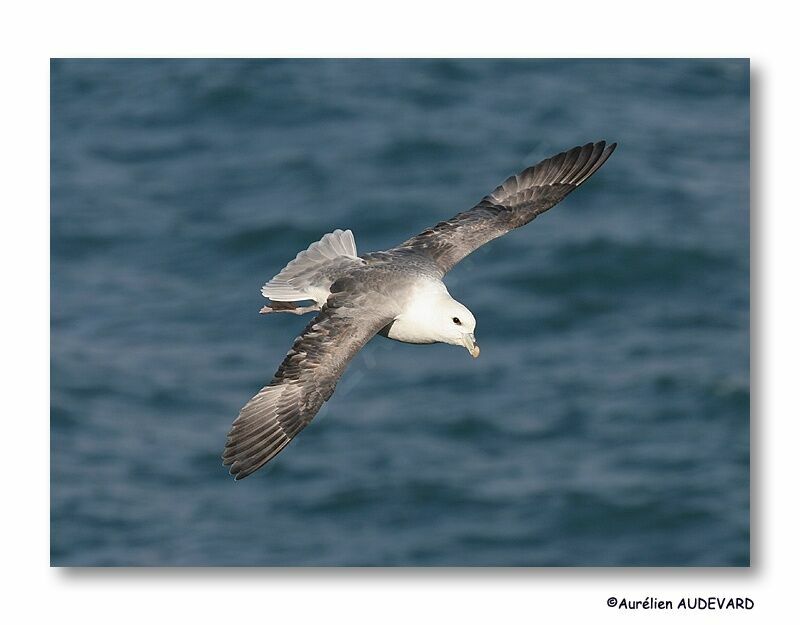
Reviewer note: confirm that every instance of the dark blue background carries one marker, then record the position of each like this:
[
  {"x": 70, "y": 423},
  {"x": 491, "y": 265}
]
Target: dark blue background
[{"x": 606, "y": 421}]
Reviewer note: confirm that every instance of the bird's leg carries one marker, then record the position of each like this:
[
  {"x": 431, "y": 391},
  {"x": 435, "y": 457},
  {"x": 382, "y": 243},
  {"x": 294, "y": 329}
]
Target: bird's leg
[
  {"x": 304, "y": 309},
  {"x": 289, "y": 307}
]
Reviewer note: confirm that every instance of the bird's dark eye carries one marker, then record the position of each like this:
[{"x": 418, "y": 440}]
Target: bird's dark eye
[{"x": 457, "y": 321}]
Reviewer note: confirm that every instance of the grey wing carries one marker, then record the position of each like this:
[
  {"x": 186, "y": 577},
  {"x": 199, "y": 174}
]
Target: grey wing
[
  {"x": 305, "y": 380},
  {"x": 513, "y": 204}
]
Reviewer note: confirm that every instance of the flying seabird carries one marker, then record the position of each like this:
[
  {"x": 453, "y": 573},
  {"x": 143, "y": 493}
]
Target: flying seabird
[{"x": 397, "y": 293}]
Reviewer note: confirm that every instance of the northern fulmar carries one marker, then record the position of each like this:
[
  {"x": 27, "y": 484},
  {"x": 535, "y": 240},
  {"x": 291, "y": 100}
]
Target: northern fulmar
[{"x": 397, "y": 293}]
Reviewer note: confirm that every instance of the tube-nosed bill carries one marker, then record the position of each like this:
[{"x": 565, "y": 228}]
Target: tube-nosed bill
[{"x": 471, "y": 345}]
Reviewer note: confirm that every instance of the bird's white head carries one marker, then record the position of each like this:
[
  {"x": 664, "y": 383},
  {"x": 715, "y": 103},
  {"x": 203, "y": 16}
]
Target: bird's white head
[{"x": 457, "y": 325}]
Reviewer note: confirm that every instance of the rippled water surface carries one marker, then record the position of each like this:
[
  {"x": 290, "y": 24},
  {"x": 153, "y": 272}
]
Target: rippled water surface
[{"x": 607, "y": 419}]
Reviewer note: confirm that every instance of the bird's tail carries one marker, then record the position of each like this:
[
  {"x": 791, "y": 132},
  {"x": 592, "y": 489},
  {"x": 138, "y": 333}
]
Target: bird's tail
[{"x": 310, "y": 275}]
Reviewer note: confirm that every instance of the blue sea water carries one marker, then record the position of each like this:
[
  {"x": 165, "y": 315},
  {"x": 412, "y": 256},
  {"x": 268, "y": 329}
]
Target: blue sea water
[{"x": 607, "y": 419}]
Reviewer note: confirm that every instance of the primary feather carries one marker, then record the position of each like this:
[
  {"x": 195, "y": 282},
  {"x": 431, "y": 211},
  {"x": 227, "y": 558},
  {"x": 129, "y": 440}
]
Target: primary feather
[{"x": 516, "y": 202}]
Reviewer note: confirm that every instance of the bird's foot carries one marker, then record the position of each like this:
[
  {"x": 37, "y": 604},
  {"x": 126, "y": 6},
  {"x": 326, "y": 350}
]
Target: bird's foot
[{"x": 289, "y": 307}]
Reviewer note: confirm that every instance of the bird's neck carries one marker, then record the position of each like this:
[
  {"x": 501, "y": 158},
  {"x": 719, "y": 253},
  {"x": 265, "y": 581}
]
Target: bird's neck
[{"x": 419, "y": 322}]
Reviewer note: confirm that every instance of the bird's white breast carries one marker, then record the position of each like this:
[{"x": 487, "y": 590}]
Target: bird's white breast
[{"x": 418, "y": 321}]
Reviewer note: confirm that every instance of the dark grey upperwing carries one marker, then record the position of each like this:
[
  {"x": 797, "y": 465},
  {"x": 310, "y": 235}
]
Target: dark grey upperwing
[
  {"x": 305, "y": 380},
  {"x": 513, "y": 204}
]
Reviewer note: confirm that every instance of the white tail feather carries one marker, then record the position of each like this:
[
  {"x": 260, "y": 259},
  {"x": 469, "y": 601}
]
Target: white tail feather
[{"x": 306, "y": 278}]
